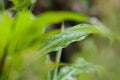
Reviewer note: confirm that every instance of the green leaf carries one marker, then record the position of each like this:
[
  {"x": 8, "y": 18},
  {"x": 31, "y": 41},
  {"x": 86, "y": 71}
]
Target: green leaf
[
  {"x": 63, "y": 39},
  {"x": 73, "y": 71},
  {"x": 49, "y": 18},
  {"x": 19, "y": 4},
  {"x": 5, "y": 29},
  {"x": 23, "y": 31}
]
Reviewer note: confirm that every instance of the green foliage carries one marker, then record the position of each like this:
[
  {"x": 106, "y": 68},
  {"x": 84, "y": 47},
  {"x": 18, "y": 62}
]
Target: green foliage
[
  {"x": 58, "y": 16},
  {"x": 24, "y": 33},
  {"x": 72, "y": 72},
  {"x": 21, "y": 4},
  {"x": 26, "y": 28},
  {"x": 63, "y": 39},
  {"x": 24, "y": 38}
]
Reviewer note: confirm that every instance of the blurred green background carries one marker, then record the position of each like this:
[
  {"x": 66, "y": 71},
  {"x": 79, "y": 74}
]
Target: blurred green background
[{"x": 95, "y": 49}]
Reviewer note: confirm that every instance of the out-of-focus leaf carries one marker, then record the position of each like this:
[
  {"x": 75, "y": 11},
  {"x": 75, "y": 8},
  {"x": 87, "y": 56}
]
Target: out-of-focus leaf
[
  {"x": 73, "y": 71},
  {"x": 4, "y": 32},
  {"x": 19, "y": 4},
  {"x": 23, "y": 31},
  {"x": 49, "y": 18},
  {"x": 5, "y": 29}
]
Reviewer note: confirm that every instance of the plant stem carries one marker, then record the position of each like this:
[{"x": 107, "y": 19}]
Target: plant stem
[
  {"x": 49, "y": 75},
  {"x": 58, "y": 56},
  {"x": 57, "y": 62}
]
